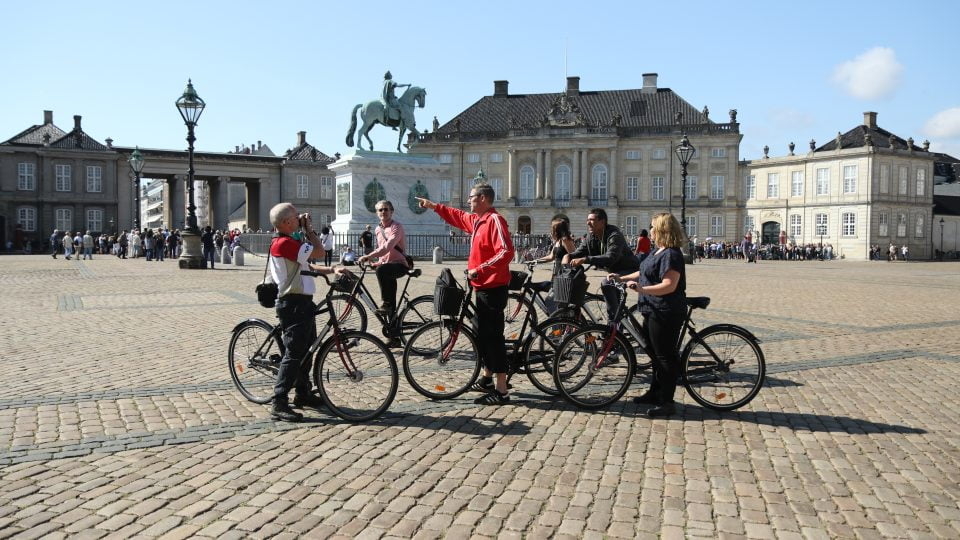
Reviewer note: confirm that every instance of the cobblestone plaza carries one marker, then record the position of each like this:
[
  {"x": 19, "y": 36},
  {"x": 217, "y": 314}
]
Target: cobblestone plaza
[{"x": 118, "y": 418}]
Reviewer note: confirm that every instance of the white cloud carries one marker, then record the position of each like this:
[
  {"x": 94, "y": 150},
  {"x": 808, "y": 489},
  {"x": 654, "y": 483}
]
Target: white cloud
[
  {"x": 950, "y": 148},
  {"x": 945, "y": 124},
  {"x": 874, "y": 74}
]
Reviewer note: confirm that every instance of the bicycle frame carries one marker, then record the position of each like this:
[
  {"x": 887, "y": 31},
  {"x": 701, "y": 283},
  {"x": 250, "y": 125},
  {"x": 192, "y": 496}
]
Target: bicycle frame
[{"x": 361, "y": 291}]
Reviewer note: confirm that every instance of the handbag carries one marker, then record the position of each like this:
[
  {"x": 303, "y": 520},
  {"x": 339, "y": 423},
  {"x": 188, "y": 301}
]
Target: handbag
[
  {"x": 407, "y": 257},
  {"x": 268, "y": 291}
]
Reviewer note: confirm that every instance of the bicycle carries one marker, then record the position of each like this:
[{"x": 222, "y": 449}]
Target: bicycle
[
  {"x": 354, "y": 371},
  {"x": 723, "y": 366}
]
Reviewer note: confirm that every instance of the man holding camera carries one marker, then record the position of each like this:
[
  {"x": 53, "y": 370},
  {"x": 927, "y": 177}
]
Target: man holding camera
[{"x": 295, "y": 307}]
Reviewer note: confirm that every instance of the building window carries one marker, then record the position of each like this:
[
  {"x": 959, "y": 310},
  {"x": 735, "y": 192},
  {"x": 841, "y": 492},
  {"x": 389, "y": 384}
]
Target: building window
[
  {"x": 63, "y": 178},
  {"x": 633, "y": 154},
  {"x": 63, "y": 219},
  {"x": 884, "y": 179},
  {"x": 327, "y": 219},
  {"x": 26, "y": 177},
  {"x": 526, "y": 183},
  {"x": 473, "y": 157},
  {"x": 901, "y": 224},
  {"x": 446, "y": 186},
  {"x": 716, "y": 225},
  {"x": 562, "y": 183},
  {"x": 921, "y": 182},
  {"x": 821, "y": 224},
  {"x": 497, "y": 185},
  {"x": 751, "y": 187},
  {"x": 796, "y": 226},
  {"x": 691, "y": 192},
  {"x": 823, "y": 181},
  {"x": 796, "y": 184},
  {"x": 496, "y": 157},
  {"x": 598, "y": 182},
  {"x": 94, "y": 220},
  {"x": 850, "y": 179},
  {"x": 326, "y": 187},
  {"x": 773, "y": 185},
  {"x": 659, "y": 153},
  {"x": 718, "y": 152},
  {"x": 918, "y": 231},
  {"x": 27, "y": 218},
  {"x": 883, "y": 224},
  {"x": 303, "y": 186},
  {"x": 903, "y": 181},
  {"x": 445, "y": 158},
  {"x": 849, "y": 224},
  {"x": 691, "y": 226},
  {"x": 656, "y": 188},
  {"x": 716, "y": 187},
  {"x": 633, "y": 188},
  {"x": 748, "y": 224},
  {"x": 630, "y": 226},
  {"x": 94, "y": 180}
]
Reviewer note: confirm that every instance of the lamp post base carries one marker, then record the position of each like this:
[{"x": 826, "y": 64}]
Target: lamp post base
[
  {"x": 687, "y": 255},
  {"x": 192, "y": 256}
]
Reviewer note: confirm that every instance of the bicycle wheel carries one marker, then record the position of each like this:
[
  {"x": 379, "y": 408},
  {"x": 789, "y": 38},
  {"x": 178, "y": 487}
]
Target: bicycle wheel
[
  {"x": 513, "y": 316},
  {"x": 254, "y": 359},
  {"x": 440, "y": 360},
  {"x": 540, "y": 348},
  {"x": 723, "y": 367},
  {"x": 593, "y": 369},
  {"x": 594, "y": 309},
  {"x": 417, "y": 313},
  {"x": 354, "y": 318},
  {"x": 357, "y": 376}
]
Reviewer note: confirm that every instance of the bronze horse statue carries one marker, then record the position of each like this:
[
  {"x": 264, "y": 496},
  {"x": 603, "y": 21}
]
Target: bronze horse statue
[{"x": 372, "y": 114}]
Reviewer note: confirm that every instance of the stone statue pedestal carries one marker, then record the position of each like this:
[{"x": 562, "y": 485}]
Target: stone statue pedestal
[{"x": 365, "y": 177}]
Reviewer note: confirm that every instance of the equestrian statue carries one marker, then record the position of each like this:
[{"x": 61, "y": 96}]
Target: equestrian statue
[{"x": 389, "y": 110}]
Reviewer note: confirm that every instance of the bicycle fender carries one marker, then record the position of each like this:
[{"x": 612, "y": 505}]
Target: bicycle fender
[
  {"x": 735, "y": 328},
  {"x": 253, "y": 320}
]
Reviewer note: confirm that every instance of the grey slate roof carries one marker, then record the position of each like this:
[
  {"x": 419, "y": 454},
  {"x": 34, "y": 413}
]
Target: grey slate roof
[
  {"x": 307, "y": 152},
  {"x": 946, "y": 166},
  {"x": 856, "y": 138},
  {"x": 499, "y": 113},
  {"x": 33, "y": 135},
  {"x": 78, "y": 140}
]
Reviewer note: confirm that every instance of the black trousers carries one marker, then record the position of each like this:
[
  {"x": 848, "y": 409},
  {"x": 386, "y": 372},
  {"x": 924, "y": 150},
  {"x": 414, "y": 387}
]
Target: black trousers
[
  {"x": 490, "y": 342},
  {"x": 296, "y": 313},
  {"x": 387, "y": 275},
  {"x": 662, "y": 331}
]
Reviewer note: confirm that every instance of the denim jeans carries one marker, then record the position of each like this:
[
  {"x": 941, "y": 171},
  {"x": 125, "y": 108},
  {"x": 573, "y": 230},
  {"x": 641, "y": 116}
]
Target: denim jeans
[
  {"x": 296, "y": 313},
  {"x": 88, "y": 253},
  {"x": 207, "y": 256}
]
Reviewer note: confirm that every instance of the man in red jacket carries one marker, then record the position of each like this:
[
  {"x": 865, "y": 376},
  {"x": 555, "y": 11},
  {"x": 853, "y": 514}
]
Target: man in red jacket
[{"x": 488, "y": 267}]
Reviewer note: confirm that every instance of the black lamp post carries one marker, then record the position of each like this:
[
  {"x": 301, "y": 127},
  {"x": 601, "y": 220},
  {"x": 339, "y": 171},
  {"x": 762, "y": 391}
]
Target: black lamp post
[
  {"x": 684, "y": 152},
  {"x": 136, "y": 163},
  {"x": 941, "y": 239},
  {"x": 191, "y": 107},
  {"x": 111, "y": 222}
]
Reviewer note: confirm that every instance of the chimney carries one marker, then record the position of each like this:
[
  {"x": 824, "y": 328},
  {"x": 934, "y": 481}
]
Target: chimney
[
  {"x": 236, "y": 149},
  {"x": 76, "y": 122},
  {"x": 573, "y": 86},
  {"x": 301, "y": 137},
  {"x": 500, "y": 88},
  {"x": 259, "y": 145},
  {"x": 649, "y": 83},
  {"x": 870, "y": 119},
  {"x": 47, "y": 117}
]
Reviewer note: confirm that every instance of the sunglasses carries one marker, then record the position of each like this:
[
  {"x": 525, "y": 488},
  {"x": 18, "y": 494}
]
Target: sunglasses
[{"x": 384, "y": 210}]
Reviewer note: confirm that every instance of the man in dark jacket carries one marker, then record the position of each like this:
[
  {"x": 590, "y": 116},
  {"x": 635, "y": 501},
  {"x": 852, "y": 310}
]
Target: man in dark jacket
[{"x": 606, "y": 248}]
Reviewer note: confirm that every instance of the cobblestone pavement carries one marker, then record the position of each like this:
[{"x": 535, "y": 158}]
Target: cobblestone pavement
[{"x": 118, "y": 417}]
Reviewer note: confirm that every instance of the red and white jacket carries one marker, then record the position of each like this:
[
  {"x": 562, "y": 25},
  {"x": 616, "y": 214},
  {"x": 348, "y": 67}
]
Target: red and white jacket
[{"x": 491, "y": 249}]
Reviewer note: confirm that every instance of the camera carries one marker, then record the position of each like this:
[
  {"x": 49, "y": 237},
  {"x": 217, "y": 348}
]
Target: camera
[{"x": 303, "y": 221}]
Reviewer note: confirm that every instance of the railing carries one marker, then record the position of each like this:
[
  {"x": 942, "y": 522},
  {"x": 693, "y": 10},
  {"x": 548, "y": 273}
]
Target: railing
[
  {"x": 561, "y": 203},
  {"x": 599, "y": 202},
  {"x": 524, "y": 202}
]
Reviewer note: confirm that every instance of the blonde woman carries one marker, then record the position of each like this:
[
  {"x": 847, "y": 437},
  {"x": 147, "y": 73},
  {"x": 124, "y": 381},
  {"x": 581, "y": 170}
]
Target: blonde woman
[{"x": 661, "y": 283}]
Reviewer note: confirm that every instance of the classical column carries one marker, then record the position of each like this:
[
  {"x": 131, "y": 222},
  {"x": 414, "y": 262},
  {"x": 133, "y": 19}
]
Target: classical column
[
  {"x": 539, "y": 193},
  {"x": 511, "y": 174},
  {"x": 575, "y": 175},
  {"x": 584, "y": 180},
  {"x": 251, "y": 218},
  {"x": 547, "y": 174},
  {"x": 612, "y": 180},
  {"x": 178, "y": 203},
  {"x": 220, "y": 202}
]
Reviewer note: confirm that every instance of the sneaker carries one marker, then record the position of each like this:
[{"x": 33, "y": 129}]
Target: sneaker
[
  {"x": 667, "y": 409},
  {"x": 308, "y": 400},
  {"x": 394, "y": 343},
  {"x": 483, "y": 384},
  {"x": 493, "y": 398},
  {"x": 646, "y": 399},
  {"x": 282, "y": 411}
]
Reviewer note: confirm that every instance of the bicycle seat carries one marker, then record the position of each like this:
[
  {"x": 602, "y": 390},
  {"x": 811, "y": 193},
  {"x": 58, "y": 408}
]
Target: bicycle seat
[
  {"x": 415, "y": 272},
  {"x": 700, "y": 302},
  {"x": 539, "y": 286}
]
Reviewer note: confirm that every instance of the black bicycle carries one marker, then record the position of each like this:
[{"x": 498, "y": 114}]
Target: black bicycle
[
  {"x": 354, "y": 371},
  {"x": 723, "y": 367}
]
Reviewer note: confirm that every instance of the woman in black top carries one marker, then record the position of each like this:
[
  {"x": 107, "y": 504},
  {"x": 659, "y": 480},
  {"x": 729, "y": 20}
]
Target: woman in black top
[
  {"x": 562, "y": 245},
  {"x": 661, "y": 282}
]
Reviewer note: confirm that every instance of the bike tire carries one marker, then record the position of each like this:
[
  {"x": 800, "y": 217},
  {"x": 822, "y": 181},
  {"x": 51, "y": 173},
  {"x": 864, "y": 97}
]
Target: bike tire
[
  {"x": 417, "y": 313},
  {"x": 357, "y": 380},
  {"x": 354, "y": 319},
  {"x": 707, "y": 374},
  {"x": 514, "y": 316},
  {"x": 425, "y": 367},
  {"x": 594, "y": 309},
  {"x": 254, "y": 359},
  {"x": 540, "y": 349},
  {"x": 600, "y": 378}
]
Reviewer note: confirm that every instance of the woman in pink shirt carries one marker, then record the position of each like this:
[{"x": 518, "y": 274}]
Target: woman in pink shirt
[{"x": 391, "y": 262}]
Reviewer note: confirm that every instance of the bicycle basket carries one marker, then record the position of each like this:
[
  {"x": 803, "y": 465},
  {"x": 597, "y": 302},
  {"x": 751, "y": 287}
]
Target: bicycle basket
[
  {"x": 517, "y": 279},
  {"x": 344, "y": 283},
  {"x": 570, "y": 286}
]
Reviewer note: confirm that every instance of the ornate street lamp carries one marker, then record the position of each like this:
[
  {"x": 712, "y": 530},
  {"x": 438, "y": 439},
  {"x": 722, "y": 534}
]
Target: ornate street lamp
[
  {"x": 191, "y": 107},
  {"x": 684, "y": 152},
  {"x": 136, "y": 163}
]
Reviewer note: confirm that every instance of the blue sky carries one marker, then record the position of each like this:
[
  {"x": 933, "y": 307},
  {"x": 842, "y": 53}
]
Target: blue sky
[{"x": 270, "y": 69}]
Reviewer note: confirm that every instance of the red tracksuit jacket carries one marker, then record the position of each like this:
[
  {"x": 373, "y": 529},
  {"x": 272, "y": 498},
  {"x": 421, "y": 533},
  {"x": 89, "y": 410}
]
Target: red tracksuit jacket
[{"x": 491, "y": 249}]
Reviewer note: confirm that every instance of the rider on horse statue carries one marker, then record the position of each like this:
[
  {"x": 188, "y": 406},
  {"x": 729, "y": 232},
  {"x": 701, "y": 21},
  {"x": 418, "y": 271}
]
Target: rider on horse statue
[{"x": 391, "y": 109}]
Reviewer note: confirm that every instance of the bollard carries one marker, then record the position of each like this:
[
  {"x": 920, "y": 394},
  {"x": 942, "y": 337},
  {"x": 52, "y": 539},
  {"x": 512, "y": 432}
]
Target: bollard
[
  {"x": 225, "y": 255},
  {"x": 437, "y": 255},
  {"x": 238, "y": 256}
]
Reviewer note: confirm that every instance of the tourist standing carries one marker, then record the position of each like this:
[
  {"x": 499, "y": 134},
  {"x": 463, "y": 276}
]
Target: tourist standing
[
  {"x": 54, "y": 243},
  {"x": 391, "y": 261}
]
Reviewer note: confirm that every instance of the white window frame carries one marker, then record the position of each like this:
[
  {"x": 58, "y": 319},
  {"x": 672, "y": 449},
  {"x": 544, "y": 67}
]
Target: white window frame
[
  {"x": 656, "y": 188},
  {"x": 658, "y": 153},
  {"x": 63, "y": 173},
  {"x": 691, "y": 226},
  {"x": 630, "y": 226},
  {"x": 884, "y": 179},
  {"x": 903, "y": 181},
  {"x": 796, "y": 226},
  {"x": 326, "y": 187},
  {"x": 445, "y": 158},
  {"x": 718, "y": 152},
  {"x": 691, "y": 187},
  {"x": 446, "y": 189},
  {"x": 562, "y": 182},
  {"x": 632, "y": 155},
  {"x": 822, "y": 224},
  {"x": 773, "y": 185},
  {"x": 27, "y": 218},
  {"x": 750, "y": 186},
  {"x": 796, "y": 184},
  {"x": 598, "y": 182},
  {"x": 497, "y": 185},
  {"x": 716, "y": 225},
  {"x": 526, "y": 189},
  {"x": 63, "y": 219},
  {"x": 918, "y": 228},
  {"x": 717, "y": 187},
  {"x": 303, "y": 186},
  {"x": 849, "y": 179},
  {"x": 633, "y": 188},
  {"x": 748, "y": 224},
  {"x": 901, "y": 225},
  {"x": 921, "y": 182},
  {"x": 823, "y": 181},
  {"x": 495, "y": 157},
  {"x": 848, "y": 224},
  {"x": 94, "y": 219},
  {"x": 473, "y": 157},
  {"x": 94, "y": 180},
  {"x": 883, "y": 224},
  {"x": 26, "y": 176}
]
